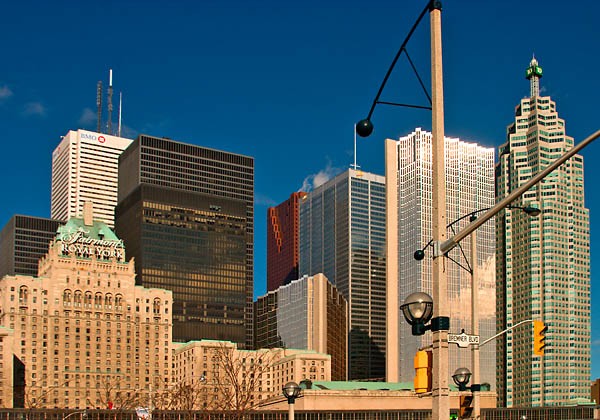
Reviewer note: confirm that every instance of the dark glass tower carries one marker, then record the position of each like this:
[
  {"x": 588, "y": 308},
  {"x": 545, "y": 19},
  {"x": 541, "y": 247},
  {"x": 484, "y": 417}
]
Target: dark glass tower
[
  {"x": 23, "y": 241},
  {"x": 186, "y": 214}
]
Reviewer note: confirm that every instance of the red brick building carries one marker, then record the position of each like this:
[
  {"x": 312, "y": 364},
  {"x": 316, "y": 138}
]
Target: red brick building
[{"x": 282, "y": 242}]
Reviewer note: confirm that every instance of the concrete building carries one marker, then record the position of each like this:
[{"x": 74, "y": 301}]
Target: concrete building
[
  {"x": 85, "y": 332},
  {"x": 543, "y": 269},
  {"x": 469, "y": 187},
  {"x": 186, "y": 214},
  {"x": 282, "y": 242},
  {"x": 263, "y": 372},
  {"x": 84, "y": 168},
  {"x": 342, "y": 235},
  {"x": 308, "y": 313},
  {"x": 23, "y": 241}
]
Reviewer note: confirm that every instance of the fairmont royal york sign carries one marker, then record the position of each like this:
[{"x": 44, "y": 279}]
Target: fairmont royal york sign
[{"x": 79, "y": 243}]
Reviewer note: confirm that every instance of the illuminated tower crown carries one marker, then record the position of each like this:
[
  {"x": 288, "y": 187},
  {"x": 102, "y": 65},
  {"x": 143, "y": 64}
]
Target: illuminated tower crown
[{"x": 533, "y": 74}]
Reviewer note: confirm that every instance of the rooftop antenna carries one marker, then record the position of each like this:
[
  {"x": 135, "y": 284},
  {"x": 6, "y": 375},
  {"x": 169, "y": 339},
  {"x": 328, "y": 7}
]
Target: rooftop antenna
[
  {"x": 355, "y": 165},
  {"x": 99, "y": 105},
  {"x": 120, "y": 107},
  {"x": 110, "y": 107}
]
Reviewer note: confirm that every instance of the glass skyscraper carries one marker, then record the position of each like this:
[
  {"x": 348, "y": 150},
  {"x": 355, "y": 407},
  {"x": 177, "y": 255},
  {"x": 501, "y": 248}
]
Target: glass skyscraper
[
  {"x": 342, "y": 235},
  {"x": 543, "y": 269},
  {"x": 469, "y": 187}
]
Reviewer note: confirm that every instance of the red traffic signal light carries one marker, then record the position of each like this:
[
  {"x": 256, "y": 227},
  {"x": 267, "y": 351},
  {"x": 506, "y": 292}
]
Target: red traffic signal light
[{"x": 539, "y": 337}]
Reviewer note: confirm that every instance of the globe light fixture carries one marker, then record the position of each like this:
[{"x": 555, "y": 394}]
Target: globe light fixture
[
  {"x": 364, "y": 128},
  {"x": 461, "y": 378},
  {"x": 291, "y": 391},
  {"x": 417, "y": 310}
]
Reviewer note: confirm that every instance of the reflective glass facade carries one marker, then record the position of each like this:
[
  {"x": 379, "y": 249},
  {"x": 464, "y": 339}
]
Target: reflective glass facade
[
  {"x": 543, "y": 268},
  {"x": 469, "y": 187},
  {"x": 210, "y": 273},
  {"x": 23, "y": 241},
  {"x": 342, "y": 235}
]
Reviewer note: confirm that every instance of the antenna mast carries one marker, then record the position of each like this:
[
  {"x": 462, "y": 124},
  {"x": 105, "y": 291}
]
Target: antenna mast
[
  {"x": 110, "y": 107},
  {"x": 355, "y": 165},
  {"x": 120, "y": 107},
  {"x": 99, "y": 105}
]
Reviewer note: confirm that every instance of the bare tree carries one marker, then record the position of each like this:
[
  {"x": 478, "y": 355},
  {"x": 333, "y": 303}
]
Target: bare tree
[
  {"x": 237, "y": 378},
  {"x": 111, "y": 395}
]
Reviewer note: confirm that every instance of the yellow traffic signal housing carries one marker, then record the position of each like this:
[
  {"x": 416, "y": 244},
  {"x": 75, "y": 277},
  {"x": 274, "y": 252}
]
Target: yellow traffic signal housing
[
  {"x": 423, "y": 362},
  {"x": 466, "y": 408},
  {"x": 539, "y": 337}
]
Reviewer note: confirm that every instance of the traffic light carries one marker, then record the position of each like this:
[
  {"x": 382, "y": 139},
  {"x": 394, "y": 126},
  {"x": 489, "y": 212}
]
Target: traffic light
[
  {"x": 539, "y": 337},
  {"x": 423, "y": 361},
  {"x": 466, "y": 408}
]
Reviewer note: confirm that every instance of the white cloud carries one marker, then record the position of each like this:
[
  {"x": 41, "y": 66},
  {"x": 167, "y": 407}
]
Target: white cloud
[
  {"x": 34, "y": 108},
  {"x": 596, "y": 343},
  {"x": 5, "y": 92},
  {"x": 543, "y": 89},
  {"x": 263, "y": 200},
  {"x": 314, "y": 180},
  {"x": 88, "y": 118}
]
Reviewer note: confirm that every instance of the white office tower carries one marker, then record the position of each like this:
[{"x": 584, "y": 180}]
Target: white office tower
[
  {"x": 469, "y": 187},
  {"x": 85, "y": 166}
]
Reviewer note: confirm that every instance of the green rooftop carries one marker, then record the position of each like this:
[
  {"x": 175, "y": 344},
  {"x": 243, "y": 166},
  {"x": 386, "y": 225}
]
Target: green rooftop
[
  {"x": 97, "y": 231},
  {"x": 364, "y": 386}
]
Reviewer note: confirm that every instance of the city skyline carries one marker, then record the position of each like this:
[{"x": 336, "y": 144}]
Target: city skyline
[{"x": 306, "y": 89}]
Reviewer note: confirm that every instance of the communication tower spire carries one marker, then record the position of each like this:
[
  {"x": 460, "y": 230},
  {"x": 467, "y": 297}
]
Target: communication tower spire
[
  {"x": 99, "y": 105},
  {"x": 110, "y": 106},
  {"x": 533, "y": 74}
]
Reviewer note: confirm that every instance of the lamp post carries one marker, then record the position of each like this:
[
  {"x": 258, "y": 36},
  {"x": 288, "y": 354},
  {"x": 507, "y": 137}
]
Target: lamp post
[
  {"x": 291, "y": 391},
  {"x": 417, "y": 310},
  {"x": 461, "y": 379}
]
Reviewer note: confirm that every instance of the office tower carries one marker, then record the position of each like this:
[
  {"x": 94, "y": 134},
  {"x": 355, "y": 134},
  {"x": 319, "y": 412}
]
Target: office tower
[
  {"x": 282, "y": 242},
  {"x": 543, "y": 269},
  {"x": 23, "y": 241},
  {"x": 186, "y": 214},
  {"x": 308, "y": 313},
  {"x": 86, "y": 334},
  {"x": 84, "y": 168},
  {"x": 469, "y": 187},
  {"x": 342, "y": 235}
]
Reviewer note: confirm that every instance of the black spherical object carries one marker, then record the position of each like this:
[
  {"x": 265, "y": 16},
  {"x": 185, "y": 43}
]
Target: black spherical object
[
  {"x": 419, "y": 254},
  {"x": 364, "y": 128}
]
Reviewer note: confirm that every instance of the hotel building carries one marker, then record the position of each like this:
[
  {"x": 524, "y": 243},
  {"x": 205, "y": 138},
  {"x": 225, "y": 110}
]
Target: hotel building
[
  {"x": 469, "y": 187},
  {"x": 87, "y": 335},
  {"x": 186, "y": 214},
  {"x": 308, "y": 313},
  {"x": 85, "y": 168},
  {"x": 543, "y": 269},
  {"x": 342, "y": 235}
]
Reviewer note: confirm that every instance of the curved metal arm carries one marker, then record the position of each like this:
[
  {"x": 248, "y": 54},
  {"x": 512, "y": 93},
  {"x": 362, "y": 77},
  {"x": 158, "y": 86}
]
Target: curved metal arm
[{"x": 387, "y": 75}]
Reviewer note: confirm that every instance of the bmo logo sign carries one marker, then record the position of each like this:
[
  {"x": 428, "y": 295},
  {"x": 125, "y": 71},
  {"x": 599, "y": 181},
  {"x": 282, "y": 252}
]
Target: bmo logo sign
[{"x": 88, "y": 136}]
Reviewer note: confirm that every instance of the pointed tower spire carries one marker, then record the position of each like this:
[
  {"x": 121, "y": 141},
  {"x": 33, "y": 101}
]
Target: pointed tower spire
[{"x": 533, "y": 74}]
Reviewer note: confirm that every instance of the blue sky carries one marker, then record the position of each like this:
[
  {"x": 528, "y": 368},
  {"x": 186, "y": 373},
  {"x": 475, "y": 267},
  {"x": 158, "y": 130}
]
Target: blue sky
[{"x": 284, "y": 82}]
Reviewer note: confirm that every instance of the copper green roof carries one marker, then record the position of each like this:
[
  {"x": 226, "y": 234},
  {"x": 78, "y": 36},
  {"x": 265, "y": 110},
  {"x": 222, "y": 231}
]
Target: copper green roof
[
  {"x": 99, "y": 230},
  {"x": 364, "y": 386}
]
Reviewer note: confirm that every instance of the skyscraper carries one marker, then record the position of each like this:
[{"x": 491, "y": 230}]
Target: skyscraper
[
  {"x": 23, "y": 242},
  {"x": 282, "y": 242},
  {"x": 186, "y": 213},
  {"x": 342, "y": 235},
  {"x": 308, "y": 313},
  {"x": 84, "y": 168},
  {"x": 469, "y": 187},
  {"x": 543, "y": 269}
]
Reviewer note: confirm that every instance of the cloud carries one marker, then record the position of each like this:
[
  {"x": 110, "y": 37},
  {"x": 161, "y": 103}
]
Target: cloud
[
  {"x": 315, "y": 180},
  {"x": 263, "y": 200},
  {"x": 596, "y": 343},
  {"x": 34, "y": 108},
  {"x": 5, "y": 92},
  {"x": 128, "y": 132},
  {"x": 543, "y": 89},
  {"x": 88, "y": 118}
]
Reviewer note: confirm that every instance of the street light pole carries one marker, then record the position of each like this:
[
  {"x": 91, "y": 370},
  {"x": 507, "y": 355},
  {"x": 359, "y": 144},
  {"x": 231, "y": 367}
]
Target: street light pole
[
  {"x": 475, "y": 324},
  {"x": 440, "y": 391}
]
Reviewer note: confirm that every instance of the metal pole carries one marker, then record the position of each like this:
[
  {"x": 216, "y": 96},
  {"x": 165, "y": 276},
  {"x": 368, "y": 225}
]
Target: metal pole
[
  {"x": 475, "y": 324},
  {"x": 291, "y": 410},
  {"x": 440, "y": 391}
]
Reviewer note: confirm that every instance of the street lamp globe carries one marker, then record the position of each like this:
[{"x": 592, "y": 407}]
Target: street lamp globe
[
  {"x": 364, "y": 128},
  {"x": 461, "y": 378},
  {"x": 417, "y": 308},
  {"x": 291, "y": 390},
  {"x": 532, "y": 211}
]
